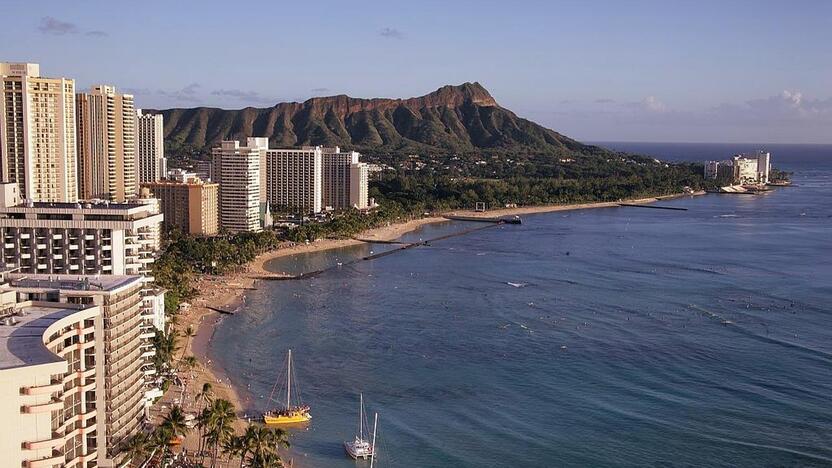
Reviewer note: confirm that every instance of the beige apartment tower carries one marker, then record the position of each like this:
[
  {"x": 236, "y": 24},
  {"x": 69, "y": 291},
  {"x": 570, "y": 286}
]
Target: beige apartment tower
[
  {"x": 106, "y": 145},
  {"x": 359, "y": 185},
  {"x": 336, "y": 177},
  {"x": 190, "y": 206},
  {"x": 236, "y": 169},
  {"x": 150, "y": 147},
  {"x": 38, "y": 133},
  {"x": 295, "y": 179}
]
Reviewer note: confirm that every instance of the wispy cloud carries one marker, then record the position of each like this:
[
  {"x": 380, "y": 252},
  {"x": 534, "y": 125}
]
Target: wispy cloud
[
  {"x": 137, "y": 91},
  {"x": 605, "y": 101},
  {"x": 55, "y": 27},
  {"x": 186, "y": 94},
  {"x": 653, "y": 104},
  {"x": 321, "y": 90},
  {"x": 789, "y": 116},
  {"x": 391, "y": 33},
  {"x": 243, "y": 96}
]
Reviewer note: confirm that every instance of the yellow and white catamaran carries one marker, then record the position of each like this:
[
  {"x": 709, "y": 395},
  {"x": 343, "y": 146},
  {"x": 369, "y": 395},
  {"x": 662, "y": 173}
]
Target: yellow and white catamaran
[{"x": 290, "y": 413}]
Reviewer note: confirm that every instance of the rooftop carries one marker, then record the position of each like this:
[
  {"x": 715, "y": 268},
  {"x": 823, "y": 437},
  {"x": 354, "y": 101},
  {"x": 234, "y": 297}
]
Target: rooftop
[
  {"x": 22, "y": 344},
  {"x": 107, "y": 283}
]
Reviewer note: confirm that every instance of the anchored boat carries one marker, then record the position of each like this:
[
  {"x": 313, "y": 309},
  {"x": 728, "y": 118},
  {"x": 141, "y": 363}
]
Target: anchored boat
[
  {"x": 360, "y": 447},
  {"x": 290, "y": 413}
]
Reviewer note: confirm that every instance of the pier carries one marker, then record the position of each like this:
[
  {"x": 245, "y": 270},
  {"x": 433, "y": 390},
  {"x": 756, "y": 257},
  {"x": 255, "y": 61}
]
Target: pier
[
  {"x": 222, "y": 311},
  {"x": 637, "y": 205},
  {"x": 483, "y": 219}
]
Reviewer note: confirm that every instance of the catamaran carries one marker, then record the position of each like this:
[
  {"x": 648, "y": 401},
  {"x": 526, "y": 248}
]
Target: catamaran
[
  {"x": 360, "y": 447},
  {"x": 289, "y": 414}
]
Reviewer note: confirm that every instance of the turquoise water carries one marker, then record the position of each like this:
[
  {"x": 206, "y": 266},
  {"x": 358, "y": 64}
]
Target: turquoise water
[{"x": 631, "y": 337}]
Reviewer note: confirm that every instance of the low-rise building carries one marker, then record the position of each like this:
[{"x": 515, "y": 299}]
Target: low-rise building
[{"x": 190, "y": 205}]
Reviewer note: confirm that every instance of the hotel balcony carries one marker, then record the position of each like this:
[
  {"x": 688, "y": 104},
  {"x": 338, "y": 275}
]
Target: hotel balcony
[
  {"x": 56, "y": 440},
  {"x": 55, "y": 386},
  {"x": 57, "y": 458},
  {"x": 53, "y": 405}
]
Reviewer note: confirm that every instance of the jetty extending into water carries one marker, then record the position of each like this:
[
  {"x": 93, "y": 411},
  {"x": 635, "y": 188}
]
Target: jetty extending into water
[
  {"x": 655, "y": 207},
  {"x": 401, "y": 246},
  {"x": 483, "y": 219}
]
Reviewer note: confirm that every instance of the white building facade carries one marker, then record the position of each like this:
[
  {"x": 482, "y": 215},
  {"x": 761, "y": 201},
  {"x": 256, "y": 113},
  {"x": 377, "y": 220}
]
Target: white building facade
[
  {"x": 117, "y": 371},
  {"x": 78, "y": 238},
  {"x": 150, "y": 147},
  {"x": 236, "y": 169}
]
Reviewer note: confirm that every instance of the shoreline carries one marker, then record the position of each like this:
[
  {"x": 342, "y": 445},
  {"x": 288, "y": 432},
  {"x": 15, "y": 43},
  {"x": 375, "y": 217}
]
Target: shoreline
[{"x": 228, "y": 291}]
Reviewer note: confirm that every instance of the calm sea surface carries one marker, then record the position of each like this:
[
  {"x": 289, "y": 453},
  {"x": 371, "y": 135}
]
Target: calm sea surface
[{"x": 628, "y": 337}]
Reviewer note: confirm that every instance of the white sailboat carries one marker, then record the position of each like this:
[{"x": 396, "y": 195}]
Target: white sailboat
[{"x": 360, "y": 447}]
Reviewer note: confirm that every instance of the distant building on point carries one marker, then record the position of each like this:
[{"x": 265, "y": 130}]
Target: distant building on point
[{"x": 742, "y": 169}]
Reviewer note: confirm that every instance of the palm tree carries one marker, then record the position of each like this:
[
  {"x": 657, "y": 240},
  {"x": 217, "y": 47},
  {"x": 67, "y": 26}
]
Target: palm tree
[
  {"x": 189, "y": 362},
  {"x": 188, "y": 334},
  {"x": 166, "y": 347},
  {"x": 137, "y": 447},
  {"x": 206, "y": 395},
  {"x": 261, "y": 444},
  {"x": 175, "y": 422},
  {"x": 235, "y": 447},
  {"x": 219, "y": 425},
  {"x": 160, "y": 441}
]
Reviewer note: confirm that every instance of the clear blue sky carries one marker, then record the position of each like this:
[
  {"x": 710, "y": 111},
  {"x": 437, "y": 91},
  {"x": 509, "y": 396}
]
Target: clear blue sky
[{"x": 719, "y": 71}]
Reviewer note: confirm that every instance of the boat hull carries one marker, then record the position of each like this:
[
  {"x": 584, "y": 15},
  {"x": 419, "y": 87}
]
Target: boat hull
[
  {"x": 356, "y": 454},
  {"x": 286, "y": 419}
]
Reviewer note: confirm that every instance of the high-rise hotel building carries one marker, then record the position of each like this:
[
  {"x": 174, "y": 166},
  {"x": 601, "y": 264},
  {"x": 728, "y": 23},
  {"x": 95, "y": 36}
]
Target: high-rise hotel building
[
  {"x": 106, "y": 145},
  {"x": 48, "y": 382},
  {"x": 236, "y": 169},
  {"x": 294, "y": 179},
  {"x": 100, "y": 365},
  {"x": 84, "y": 238},
  {"x": 345, "y": 179},
  {"x": 38, "y": 133},
  {"x": 150, "y": 147}
]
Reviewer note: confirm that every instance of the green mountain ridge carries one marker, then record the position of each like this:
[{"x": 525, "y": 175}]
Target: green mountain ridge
[{"x": 458, "y": 119}]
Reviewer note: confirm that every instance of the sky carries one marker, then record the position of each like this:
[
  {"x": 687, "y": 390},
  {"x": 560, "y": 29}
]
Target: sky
[{"x": 629, "y": 70}]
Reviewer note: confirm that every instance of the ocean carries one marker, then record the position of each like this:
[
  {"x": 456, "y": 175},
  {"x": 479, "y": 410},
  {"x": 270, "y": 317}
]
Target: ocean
[{"x": 604, "y": 337}]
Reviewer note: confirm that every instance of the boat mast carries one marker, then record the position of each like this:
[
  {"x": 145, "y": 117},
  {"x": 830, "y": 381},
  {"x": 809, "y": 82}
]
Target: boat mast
[
  {"x": 361, "y": 418},
  {"x": 289, "y": 382},
  {"x": 375, "y": 426}
]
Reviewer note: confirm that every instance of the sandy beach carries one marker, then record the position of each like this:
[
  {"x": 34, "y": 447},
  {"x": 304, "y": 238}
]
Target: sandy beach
[{"x": 227, "y": 292}]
